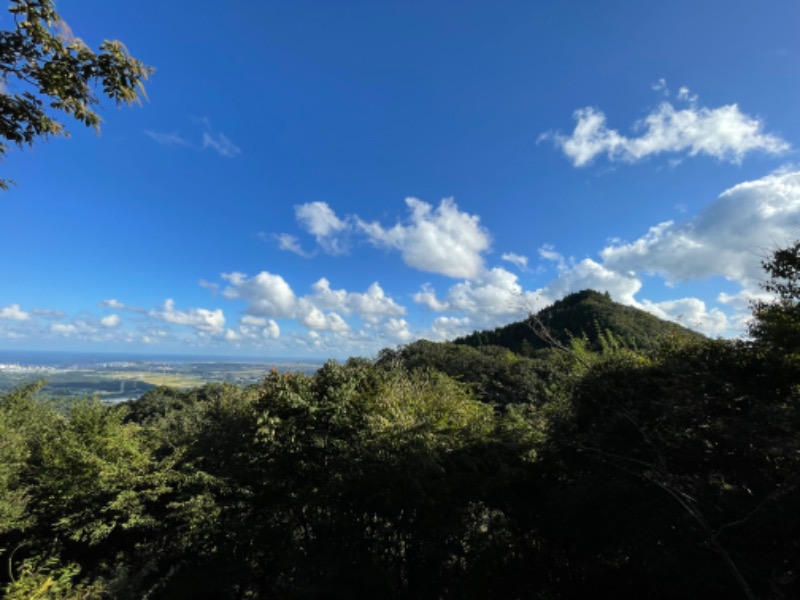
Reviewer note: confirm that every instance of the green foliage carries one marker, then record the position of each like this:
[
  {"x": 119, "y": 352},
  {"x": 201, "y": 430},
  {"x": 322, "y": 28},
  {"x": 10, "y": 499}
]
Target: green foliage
[
  {"x": 777, "y": 323},
  {"x": 56, "y": 72},
  {"x": 498, "y": 376},
  {"x": 586, "y": 314},
  {"x": 591, "y": 469},
  {"x": 40, "y": 578},
  {"x": 21, "y": 419}
]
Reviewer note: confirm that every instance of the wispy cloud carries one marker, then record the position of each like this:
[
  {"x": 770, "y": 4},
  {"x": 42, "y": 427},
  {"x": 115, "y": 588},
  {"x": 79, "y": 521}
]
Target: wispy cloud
[
  {"x": 220, "y": 143},
  {"x": 291, "y": 244},
  {"x": 211, "y": 139},
  {"x": 168, "y": 139},
  {"x": 516, "y": 259}
]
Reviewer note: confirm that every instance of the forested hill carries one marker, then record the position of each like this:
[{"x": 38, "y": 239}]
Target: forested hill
[
  {"x": 583, "y": 314},
  {"x": 438, "y": 470}
]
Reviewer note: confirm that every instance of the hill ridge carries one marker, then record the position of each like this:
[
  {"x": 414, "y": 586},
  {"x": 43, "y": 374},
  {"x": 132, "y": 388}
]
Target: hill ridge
[{"x": 584, "y": 314}]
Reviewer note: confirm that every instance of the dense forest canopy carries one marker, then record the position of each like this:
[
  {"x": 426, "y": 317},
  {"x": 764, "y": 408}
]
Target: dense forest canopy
[{"x": 601, "y": 467}]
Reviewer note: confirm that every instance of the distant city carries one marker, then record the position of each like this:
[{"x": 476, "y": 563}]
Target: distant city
[{"x": 121, "y": 377}]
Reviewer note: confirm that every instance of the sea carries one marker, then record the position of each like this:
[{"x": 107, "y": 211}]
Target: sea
[
  {"x": 117, "y": 377},
  {"x": 64, "y": 360}
]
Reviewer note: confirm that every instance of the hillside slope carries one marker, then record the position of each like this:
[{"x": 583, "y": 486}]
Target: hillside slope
[{"x": 583, "y": 314}]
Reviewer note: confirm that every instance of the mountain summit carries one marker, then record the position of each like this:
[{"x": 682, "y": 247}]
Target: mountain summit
[{"x": 583, "y": 314}]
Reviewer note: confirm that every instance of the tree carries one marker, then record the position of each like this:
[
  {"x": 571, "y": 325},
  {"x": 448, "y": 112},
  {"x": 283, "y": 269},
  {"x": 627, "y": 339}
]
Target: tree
[
  {"x": 777, "y": 323},
  {"x": 44, "y": 69}
]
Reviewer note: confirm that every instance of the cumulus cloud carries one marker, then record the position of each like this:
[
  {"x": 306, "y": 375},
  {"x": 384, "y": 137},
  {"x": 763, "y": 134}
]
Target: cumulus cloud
[
  {"x": 267, "y": 295},
  {"x": 201, "y": 319},
  {"x": 724, "y": 133},
  {"x": 447, "y": 328},
  {"x": 232, "y": 336},
  {"x": 426, "y": 296},
  {"x": 692, "y": 313},
  {"x": 320, "y": 221},
  {"x": 13, "y": 312},
  {"x": 496, "y": 293},
  {"x": 110, "y": 321},
  {"x": 730, "y": 237},
  {"x": 313, "y": 318},
  {"x": 397, "y": 329},
  {"x": 444, "y": 240},
  {"x": 589, "y": 274},
  {"x": 370, "y": 305},
  {"x": 258, "y": 328}
]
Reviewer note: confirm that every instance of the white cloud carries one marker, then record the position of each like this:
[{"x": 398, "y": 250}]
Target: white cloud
[
  {"x": 167, "y": 139},
  {"x": 48, "y": 313},
  {"x": 589, "y": 274},
  {"x": 252, "y": 321},
  {"x": 13, "y": 312},
  {"x": 232, "y": 336},
  {"x": 201, "y": 319},
  {"x": 257, "y": 328},
  {"x": 271, "y": 330},
  {"x": 63, "y": 328},
  {"x": 661, "y": 86},
  {"x": 267, "y": 295},
  {"x": 216, "y": 141},
  {"x": 496, "y": 293},
  {"x": 730, "y": 237},
  {"x": 397, "y": 329},
  {"x": 110, "y": 321},
  {"x": 444, "y": 240},
  {"x": 113, "y": 303},
  {"x": 370, "y": 305},
  {"x": 516, "y": 259},
  {"x": 208, "y": 285},
  {"x": 692, "y": 313},
  {"x": 314, "y": 318},
  {"x": 724, "y": 133},
  {"x": 117, "y": 305},
  {"x": 447, "y": 328},
  {"x": 319, "y": 220},
  {"x": 548, "y": 252},
  {"x": 291, "y": 244},
  {"x": 220, "y": 143},
  {"x": 427, "y": 297}
]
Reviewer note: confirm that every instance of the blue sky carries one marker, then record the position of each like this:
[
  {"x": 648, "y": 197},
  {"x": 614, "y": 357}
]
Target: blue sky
[{"x": 329, "y": 178}]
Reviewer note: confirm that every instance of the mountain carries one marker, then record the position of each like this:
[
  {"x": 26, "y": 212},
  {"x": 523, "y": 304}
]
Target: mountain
[{"x": 583, "y": 314}]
